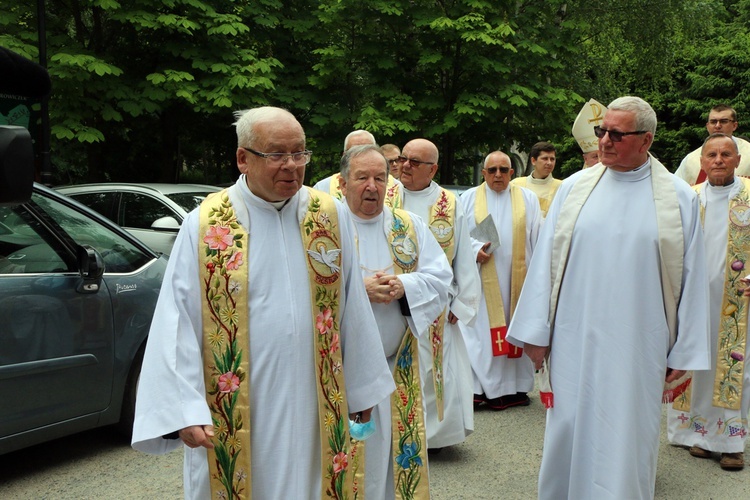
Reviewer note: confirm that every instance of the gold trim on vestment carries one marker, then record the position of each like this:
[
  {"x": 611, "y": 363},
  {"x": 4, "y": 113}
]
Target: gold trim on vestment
[
  {"x": 409, "y": 438},
  {"x": 490, "y": 282}
]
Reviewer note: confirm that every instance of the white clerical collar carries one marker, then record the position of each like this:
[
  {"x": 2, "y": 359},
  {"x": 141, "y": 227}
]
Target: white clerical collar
[
  {"x": 252, "y": 198},
  {"x": 359, "y": 220},
  {"x": 424, "y": 193},
  {"x": 635, "y": 175},
  {"x": 492, "y": 192}
]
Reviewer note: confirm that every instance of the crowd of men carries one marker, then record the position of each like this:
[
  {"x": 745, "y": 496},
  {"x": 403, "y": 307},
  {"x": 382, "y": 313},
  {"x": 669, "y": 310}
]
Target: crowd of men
[{"x": 290, "y": 315}]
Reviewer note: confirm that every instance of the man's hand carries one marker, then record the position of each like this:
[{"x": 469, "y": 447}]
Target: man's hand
[
  {"x": 673, "y": 375},
  {"x": 384, "y": 288},
  {"x": 482, "y": 255},
  {"x": 452, "y": 319},
  {"x": 536, "y": 353},
  {"x": 197, "y": 435},
  {"x": 364, "y": 416}
]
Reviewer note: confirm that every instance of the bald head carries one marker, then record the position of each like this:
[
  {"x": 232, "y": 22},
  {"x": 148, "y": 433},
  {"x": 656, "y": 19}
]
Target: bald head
[
  {"x": 497, "y": 171},
  {"x": 420, "y": 165}
]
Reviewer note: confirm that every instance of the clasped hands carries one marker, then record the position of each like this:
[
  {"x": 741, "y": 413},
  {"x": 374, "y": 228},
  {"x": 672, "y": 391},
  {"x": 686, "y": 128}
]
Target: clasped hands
[{"x": 384, "y": 288}]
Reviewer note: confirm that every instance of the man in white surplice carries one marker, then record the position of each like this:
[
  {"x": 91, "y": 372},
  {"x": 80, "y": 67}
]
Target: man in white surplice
[
  {"x": 500, "y": 380},
  {"x": 413, "y": 299},
  {"x": 357, "y": 137},
  {"x": 171, "y": 406},
  {"x": 629, "y": 311},
  {"x": 714, "y": 416},
  {"x": 419, "y": 160}
]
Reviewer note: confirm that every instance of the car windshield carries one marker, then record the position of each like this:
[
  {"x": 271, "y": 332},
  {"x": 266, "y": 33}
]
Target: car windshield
[{"x": 188, "y": 201}]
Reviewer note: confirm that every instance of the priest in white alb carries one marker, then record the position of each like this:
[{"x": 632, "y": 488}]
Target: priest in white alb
[
  {"x": 407, "y": 278},
  {"x": 710, "y": 416},
  {"x": 502, "y": 375},
  {"x": 615, "y": 303},
  {"x": 444, "y": 361},
  {"x": 263, "y": 344}
]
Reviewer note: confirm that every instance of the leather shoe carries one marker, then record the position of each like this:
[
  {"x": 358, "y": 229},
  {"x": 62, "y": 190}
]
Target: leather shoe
[
  {"x": 732, "y": 461},
  {"x": 699, "y": 452}
]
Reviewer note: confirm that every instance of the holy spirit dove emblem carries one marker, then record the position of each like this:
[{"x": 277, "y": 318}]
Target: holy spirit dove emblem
[
  {"x": 739, "y": 215},
  {"x": 324, "y": 256}
]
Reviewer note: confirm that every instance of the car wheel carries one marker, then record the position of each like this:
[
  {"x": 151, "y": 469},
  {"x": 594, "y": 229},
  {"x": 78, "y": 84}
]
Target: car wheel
[{"x": 127, "y": 414}]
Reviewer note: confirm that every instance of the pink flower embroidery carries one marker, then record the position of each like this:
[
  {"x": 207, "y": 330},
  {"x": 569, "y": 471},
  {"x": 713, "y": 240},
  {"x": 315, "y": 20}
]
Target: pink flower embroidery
[
  {"x": 324, "y": 321},
  {"x": 229, "y": 382},
  {"x": 340, "y": 461},
  {"x": 218, "y": 238},
  {"x": 334, "y": 343},
  {"x": 235, "y": 261}
]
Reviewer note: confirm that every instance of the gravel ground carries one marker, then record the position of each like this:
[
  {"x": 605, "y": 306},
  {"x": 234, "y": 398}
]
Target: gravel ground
[{"x": 499, "y": 460}]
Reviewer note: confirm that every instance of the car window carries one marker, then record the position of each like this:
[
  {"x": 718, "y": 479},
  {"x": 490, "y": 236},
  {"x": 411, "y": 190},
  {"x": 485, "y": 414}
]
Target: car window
[
  {"x": 140, "y": 211},
  {"x": 188, "y": 201},
  {"x": 120, "y": 255},
  {"x": 26, "y": 246},
  {"x": 103, "y": 203}
]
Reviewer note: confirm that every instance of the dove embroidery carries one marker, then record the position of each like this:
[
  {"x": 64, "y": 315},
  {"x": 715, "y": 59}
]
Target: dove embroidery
[
  {"x": 406, "y": 247},
  {"x": 325, "y": 257},
  {"x": 441, "y": 231},
  {"x": 742, "y": 216}
]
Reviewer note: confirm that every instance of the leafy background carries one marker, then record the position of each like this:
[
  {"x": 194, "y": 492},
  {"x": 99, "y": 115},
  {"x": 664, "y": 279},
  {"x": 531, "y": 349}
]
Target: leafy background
[{"x": 144, "y": 90}]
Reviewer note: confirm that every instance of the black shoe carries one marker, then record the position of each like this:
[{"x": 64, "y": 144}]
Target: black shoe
[{"x": 478, "y": 400}]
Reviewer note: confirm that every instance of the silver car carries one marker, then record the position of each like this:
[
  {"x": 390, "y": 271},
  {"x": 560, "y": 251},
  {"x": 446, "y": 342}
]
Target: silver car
[
  {"x": 77, "y": 294},
  {"x": 151, "y": 212}
]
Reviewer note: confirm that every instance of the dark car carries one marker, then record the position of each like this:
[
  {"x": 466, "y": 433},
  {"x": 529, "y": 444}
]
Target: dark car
[{"x": 77, "y": 294}]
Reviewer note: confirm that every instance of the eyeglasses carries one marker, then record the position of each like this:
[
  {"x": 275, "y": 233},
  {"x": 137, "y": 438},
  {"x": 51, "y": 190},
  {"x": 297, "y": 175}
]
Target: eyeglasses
[
  {"x": 723, "y": 121},
  {"x": 614, "y": 135},
  {"x": 493, "y": 170},
  {"x": 414, "y": 163},
  {"x": 278, "y": 159},
  {"x": 393, "y": 161}
]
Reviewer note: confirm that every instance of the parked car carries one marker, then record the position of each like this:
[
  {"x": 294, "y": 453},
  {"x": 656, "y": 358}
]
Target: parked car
[
  {"x": 457, "y": 190},
  {"x": 151, "y": 212},
  {"x": 77, "y": 294}
]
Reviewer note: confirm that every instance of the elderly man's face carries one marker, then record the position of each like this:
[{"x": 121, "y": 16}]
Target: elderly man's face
[
  {"x": 497, "y": 172},
  {"x": 268, "y": 181},
  {"x": 721, "y": 122},
  {"x": 364, "y": 187},
  {"x": 420, "y": 167},
  {"x": 629, "y": 153},
  {"x": 591, "y": 158},
  {"x": 719, "y": 159}
]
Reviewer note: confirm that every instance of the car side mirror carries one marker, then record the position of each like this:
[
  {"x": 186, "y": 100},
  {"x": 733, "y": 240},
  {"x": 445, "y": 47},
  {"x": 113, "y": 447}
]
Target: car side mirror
[
  {"x": 167, "y": 223},
  {"x": 16, "y": 165},
  {"x": 91, "y": 267}
]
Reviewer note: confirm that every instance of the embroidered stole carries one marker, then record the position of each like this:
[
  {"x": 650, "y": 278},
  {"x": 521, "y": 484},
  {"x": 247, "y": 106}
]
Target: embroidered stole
[
  {"x": 393, "y": 193},
  {"x": 730, "y": 358},
  {"x": 407, "y": 415},
  {"x": 490, "y": 283},
  {"x": 544, "y": 191},
  {"x": 442, "y": 222},
  {"x": 226, "y": 344},
  {"x": 334, "y": 189}
]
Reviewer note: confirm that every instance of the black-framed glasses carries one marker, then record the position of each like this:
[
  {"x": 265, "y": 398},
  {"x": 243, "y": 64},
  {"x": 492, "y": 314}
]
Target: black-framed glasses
[
  {"x": 723, "y": 121},
  {"x": 393, "y": 161},
  {"x": 414, "y": 163},
  {"x": 614, "y": 135},
  {"x": 278, "y": 159},
  {"x": 493, "y": 170}
]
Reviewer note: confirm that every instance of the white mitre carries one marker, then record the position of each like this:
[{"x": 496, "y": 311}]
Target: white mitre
[{"x": 591, "y": 114}]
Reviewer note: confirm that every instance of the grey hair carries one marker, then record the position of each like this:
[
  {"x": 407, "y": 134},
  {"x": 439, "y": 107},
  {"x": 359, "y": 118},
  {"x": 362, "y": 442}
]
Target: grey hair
[
  {"x": 718, "y": 135},
  {"x": 359, "y": 132},
  {"x": 487, "y": 158},
  {"x": 357, "y": 151},
  {"x": 645, "y": 116},
  {"x": 247, "y": 119}
]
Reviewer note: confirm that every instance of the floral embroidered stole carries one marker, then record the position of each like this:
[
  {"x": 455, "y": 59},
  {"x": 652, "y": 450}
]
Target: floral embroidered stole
[
  {"x": 407, "y": 414},
  {"x": 442, "y": 221},
  {"x": 490, "y": 283},
  {"x": 730, "y": 358},
  {"x": 225, "y": 279}
]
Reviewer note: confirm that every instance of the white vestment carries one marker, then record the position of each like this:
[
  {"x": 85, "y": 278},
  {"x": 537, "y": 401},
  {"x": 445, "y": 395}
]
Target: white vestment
[
  {"x": 705, "y": 425},
  {"x": 496, "y": 376},
  {"x": 325, "y": 184},
  {"x": 426, "y": 290},
  {"x": 545, "y": 189},
  {"x": 465, "y": 294},
  {"x": 283, "y": 399},
  {"x": 690, "y": 166},
  {"x": 610, "y": 347}
]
